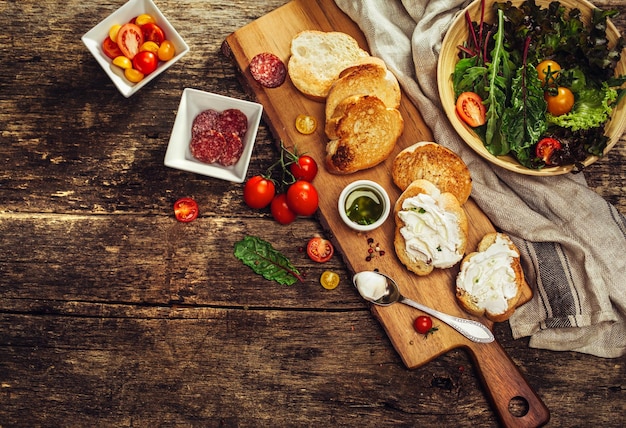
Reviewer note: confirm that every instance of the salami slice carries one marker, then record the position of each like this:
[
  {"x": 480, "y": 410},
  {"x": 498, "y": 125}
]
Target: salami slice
[
  {"x": 232, "y": 150},
  {"x": 232, "y": 121},
  {"x": 207, "y": 146},
  {"x": 267, "y": 69},
  {"x": 204, "y": 121}
]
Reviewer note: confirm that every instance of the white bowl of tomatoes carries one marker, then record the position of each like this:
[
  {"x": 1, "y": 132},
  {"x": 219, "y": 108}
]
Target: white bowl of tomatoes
[{"x": 135, "y": 44}]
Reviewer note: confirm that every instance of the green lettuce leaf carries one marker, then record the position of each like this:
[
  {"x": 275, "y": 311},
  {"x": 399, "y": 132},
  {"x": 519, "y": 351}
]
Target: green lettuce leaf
[{"x": 264, "y": 260}]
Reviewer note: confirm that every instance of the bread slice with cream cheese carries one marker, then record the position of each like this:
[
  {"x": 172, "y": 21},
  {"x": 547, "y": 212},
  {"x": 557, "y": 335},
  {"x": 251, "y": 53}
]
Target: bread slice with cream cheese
[
  {"x": 491, "y": 280},
  {"x": 435, "y": 163},
  {"x": 431, "y": 228}
]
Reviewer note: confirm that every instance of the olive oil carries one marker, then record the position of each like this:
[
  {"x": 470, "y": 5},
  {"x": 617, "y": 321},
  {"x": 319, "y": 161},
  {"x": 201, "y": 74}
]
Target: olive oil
[{"x": 364, "y": 206}]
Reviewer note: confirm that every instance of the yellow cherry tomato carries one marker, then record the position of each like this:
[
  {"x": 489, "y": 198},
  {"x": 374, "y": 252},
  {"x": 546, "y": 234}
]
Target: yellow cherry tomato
[
  {"x": 329, "y": 280},
  {"x": 548, "y": 69},
  {"x": 561, "y": 103},
  {"x": 166, "y": 50},
  {"x": 122, "y": 62},
  {"x": 113, "y": 31},
  {"x": 133, "y": 75},
  {"x": 149, "y": 46},
  {"x": 306, "y": 124},
  {"x": 144, "y": 19}
]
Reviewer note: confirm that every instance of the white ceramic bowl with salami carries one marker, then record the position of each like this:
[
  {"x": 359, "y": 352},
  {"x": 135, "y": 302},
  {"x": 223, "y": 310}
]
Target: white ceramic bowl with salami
[
  {"x": 192, "y": 103},
  {"x": 93, "y": 40}
]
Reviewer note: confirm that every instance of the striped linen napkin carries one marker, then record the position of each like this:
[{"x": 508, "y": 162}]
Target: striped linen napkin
[{"x": 573, "y": 243}]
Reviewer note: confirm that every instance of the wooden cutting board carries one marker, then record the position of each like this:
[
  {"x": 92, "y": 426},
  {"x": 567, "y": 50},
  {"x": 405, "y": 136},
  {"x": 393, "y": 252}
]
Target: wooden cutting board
[{"x": 273, "y": 33}]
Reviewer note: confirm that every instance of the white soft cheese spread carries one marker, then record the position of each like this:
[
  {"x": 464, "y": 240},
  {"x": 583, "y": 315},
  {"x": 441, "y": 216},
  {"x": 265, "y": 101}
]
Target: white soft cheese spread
[
  {"x": 371, "y": 285},
  {"x": 430, "y": 232},
  {"x": 489, "y": 278}
]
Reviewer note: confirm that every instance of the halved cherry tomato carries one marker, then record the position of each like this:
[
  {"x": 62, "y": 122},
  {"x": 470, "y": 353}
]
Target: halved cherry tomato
[
  {"x": 145, "y": 62},
  {"x": 306, "y": 124},
  {"x": 561, "y": 103},
  {"x": 129, "y": 39},
  {"x": 471, "y": 109},
  {"x": 144, "y": 18},
  {"x": 185, "y": 209},
  {"x": 258, "y": 192},
  {"x": 547, "y": 71},
  {"x": 152, "y": 32},
  {"x": 149, "y": 46},
  {"x": 110, "y": 48},
  {"x": 115, "y": 28},
  {"x": 166, "y": 50},
  {"x": 305, "y": 168},
  {"x": 546, "y": 148},
  {"x": 302, "y": 198},
  {"x": 133, "y": 75},
  {"x": 122, "y": 62},
  {"x": 281, "y": 211},
  {"x": 320, "y": 250},
  {"x": 329, "y": 280}
]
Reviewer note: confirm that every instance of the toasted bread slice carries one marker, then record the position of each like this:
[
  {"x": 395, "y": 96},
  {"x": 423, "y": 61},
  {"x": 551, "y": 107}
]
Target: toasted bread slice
[
  {"x": 431, "y": 228},
  {"x": 317, "y": 58},
  {"x": 371, "y": 78},
  {"x": 435, "y": 163},
  {"x": 366, "y": 131},
  {"x": 491, "y": 280}
]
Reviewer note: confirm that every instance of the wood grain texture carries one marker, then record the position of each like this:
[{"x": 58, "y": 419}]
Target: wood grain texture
[{"x": 114, "y": 314}]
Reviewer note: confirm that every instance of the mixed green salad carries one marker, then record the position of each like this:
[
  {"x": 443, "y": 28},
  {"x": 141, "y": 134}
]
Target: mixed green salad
[{"x": 539, "y": 84}]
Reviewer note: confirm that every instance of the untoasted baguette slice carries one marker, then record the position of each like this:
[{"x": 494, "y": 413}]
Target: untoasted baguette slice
[
  {"x": 366, "y": 131},
  {"x": 371, "y": 78},
  {"x": 317, "y": 58},
  {"x": 435, "y": 163},
  {"x": 491, "y": 280},
  {"x": 431, "y": 228}
]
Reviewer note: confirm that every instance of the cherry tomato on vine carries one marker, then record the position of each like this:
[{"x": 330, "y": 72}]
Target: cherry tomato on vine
[
  {"x": 546, "y": 148},
  {"x": 129, "y": 39},
  {"x": 305, "y": 168},
  {"x": 424, "y": 325},
  {"x": 281, "y": 211},
  {"x": 561, "y": 103},
  {"x": 258, "y": 192},
  {"x": 152, "y": 32},
  {"x": 471, "y": 109},
  {"x": 547, "y": 71},
  {"x": 145, "y": 62},
  {"x": 185, "y": 209},
  {"x": 302, "y": 198},
  {"x": 320, "y": 250}
]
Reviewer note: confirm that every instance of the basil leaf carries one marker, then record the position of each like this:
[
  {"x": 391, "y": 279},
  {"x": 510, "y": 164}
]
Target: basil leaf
[{"x": 266, "y": 261}]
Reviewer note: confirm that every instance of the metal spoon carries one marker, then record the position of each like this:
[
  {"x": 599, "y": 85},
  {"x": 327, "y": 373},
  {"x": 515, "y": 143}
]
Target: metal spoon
[{"x": 380, "y": 289}]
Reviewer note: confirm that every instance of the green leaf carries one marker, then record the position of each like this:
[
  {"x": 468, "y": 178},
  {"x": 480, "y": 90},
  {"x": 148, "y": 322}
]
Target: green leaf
[{"x": 266, "y": 261}]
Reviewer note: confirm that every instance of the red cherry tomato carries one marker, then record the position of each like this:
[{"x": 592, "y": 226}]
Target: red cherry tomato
[
  {"x": 561, "y": 103},
  {"x": 129, "y": 39},
  {"x": 302, "y": 198},
  {"x": 319, "y": 249},
  {"x": 153, "y": 33},
  {"x": 145, "y": 62},
  {"x": 546, "y": 148},
  {"x": 423, "y": 324},
  {"x": 258, "y": 192},
  {"x": 471, "y": 109},
  {"x": 110, "y": 48},
  {"x": 281, "y": 211},
  {"x": 185, "y": 210},
  {"x": 305, "y": 168}
]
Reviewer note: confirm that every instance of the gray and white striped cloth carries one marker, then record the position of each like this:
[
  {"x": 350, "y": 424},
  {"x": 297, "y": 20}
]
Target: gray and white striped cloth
[{"x": 573, "y": 242}]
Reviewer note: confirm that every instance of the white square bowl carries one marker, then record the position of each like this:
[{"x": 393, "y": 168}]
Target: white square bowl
[
  {"x": 193, "y": 102},
  {"x": 93, "y": 40}
]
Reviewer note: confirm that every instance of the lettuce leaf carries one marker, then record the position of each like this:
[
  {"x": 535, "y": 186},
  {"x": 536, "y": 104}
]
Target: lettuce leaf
[
  {"x": 264, "y": 260},
  {"x": 591, "y": 110}
]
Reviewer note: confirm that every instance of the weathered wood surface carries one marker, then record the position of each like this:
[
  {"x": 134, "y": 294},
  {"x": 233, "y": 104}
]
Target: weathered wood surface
[{"x": 114, "y": 314}]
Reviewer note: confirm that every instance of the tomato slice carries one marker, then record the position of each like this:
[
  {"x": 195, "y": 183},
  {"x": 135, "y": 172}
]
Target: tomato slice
[
  {"x": 546, "y": 148},
  {"x": 306, "y": 124},
  {"x": 319, "y": 249},
  {"x": 329, "y": 280},
  {"x": 186, "y": 210},
  {"x": 153, "y": 33},
  {"x": 129, "y": 40},
  {"x": 110, "y": 48},
  {"x": 471, "y": 109}
]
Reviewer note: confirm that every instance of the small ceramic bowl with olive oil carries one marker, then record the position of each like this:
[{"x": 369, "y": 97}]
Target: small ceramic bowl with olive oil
[{"x": 364, "y": 205}]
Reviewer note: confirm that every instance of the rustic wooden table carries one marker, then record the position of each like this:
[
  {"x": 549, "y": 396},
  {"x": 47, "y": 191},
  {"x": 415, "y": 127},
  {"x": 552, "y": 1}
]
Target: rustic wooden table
[{"x": 114, "y": 314}]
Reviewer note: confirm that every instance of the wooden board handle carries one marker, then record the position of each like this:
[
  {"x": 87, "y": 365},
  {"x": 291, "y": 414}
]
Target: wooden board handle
[{"x": 504, "y": 383}]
